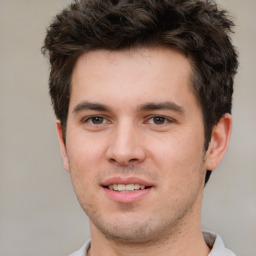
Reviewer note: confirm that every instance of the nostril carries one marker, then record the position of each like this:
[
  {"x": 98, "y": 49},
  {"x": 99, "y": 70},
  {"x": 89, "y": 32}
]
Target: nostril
[
  {"x": 112, "y": 160},
  {"x": 123, "y": 161},
  {"x": 133, "y": 160}
]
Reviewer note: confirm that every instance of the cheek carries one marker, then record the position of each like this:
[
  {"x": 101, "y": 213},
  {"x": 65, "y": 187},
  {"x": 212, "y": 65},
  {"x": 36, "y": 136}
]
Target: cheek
[
  {"x": 85, "y": 159},
  {"x": 84, "y": 151},
  {"x": 179, "y": 147},
  {"x": 178, "y": 155}
]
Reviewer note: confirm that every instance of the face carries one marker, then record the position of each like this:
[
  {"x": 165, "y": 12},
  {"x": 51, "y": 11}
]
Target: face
[{"x": 135, "y": 142}]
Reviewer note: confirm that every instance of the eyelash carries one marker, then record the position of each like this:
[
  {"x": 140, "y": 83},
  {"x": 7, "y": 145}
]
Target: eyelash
[
  {"x": 163, "y": 120},
  {"x": 90, "y": 120}
]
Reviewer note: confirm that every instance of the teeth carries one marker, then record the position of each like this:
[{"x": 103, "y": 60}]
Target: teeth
[
  {"x": 136, "y": 186},
  {"x": 130, "y": 187},
  {"x": 120, "y": 187},
  {"x": 125, "y": 188}
]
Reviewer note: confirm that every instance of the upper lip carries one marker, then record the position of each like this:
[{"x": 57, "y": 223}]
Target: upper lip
[{"x": 126, "y": 181}]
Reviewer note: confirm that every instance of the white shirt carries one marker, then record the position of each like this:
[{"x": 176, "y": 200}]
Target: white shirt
[{"x": 213, "y": 240}]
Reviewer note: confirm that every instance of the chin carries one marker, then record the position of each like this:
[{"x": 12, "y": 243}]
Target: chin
[
  {"x": 131, "y": 230},
  {"x": 128, "y": 233}
]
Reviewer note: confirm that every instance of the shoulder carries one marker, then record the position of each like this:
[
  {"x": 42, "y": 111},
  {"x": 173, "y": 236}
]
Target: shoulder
[
  {"x": 83, "y": 250},
  {"x": 217, "y": 245}
]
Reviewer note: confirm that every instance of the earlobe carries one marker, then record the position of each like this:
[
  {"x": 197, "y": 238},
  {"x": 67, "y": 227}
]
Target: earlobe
[
  {"x": 219, "y": 142},
  {"x": 62, "y": 145}
]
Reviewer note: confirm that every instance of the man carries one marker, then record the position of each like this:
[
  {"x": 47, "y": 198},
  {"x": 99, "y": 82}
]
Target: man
[{"x": 142, "y": 91}]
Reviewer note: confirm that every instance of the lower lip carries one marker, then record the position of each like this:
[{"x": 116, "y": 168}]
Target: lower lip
[{"x": 126, "y": 197}]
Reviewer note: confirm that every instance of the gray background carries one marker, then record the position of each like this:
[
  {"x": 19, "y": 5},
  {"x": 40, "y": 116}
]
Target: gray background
[{"x": 39, "y": 214}]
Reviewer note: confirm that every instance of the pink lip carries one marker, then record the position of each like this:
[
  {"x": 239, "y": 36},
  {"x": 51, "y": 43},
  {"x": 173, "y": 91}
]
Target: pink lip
[{"x": 126, "y": 197}]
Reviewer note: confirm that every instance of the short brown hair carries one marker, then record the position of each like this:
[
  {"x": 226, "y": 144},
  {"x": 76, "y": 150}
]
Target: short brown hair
[{"x": 198, "y": 28}]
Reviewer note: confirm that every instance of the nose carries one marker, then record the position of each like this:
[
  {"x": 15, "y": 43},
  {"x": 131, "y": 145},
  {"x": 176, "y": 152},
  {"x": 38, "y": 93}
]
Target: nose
[{"x": 126, "y": 146}]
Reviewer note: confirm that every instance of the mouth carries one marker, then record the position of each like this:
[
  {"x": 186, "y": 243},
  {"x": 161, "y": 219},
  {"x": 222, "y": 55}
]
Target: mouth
[{"x": 126, "y": 188}]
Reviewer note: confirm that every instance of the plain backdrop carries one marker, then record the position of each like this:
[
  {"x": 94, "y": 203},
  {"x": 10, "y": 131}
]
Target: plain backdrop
[{"x": 39, "y": 213}]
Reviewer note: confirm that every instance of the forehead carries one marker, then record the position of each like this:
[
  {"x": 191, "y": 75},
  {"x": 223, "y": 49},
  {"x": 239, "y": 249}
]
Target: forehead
[
  {"x": 132, "y": 75},
  {"x": 146, "y": 57}
]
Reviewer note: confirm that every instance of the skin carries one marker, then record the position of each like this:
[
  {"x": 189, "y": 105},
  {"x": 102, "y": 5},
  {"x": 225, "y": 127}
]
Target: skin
[{"x": 132, "y": 113}]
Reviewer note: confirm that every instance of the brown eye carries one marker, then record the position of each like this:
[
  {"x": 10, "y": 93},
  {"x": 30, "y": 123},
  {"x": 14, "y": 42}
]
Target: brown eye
[
  {"x": 159, "y": 120},
  {"x": 96, "y": 120}
]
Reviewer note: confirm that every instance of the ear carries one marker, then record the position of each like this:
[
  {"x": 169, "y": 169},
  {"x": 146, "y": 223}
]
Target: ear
[
  {"x": 62, "y": 145},
  {"x": 219, "y": 142}
]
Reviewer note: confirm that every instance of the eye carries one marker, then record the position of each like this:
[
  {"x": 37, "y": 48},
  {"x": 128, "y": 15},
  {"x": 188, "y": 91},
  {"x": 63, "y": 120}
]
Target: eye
[
  {"x": 158, "y": 120},
  {"x": 96, "y": 120}
]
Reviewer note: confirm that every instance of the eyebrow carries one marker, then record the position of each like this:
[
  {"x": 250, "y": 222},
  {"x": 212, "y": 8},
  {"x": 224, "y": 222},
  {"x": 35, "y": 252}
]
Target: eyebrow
[
  {"x": 85, "y": 105},
  {"x": 168, "y": 105}
]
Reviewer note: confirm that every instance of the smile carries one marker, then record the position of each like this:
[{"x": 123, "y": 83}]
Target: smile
[{"x": 126, "y": 188}]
